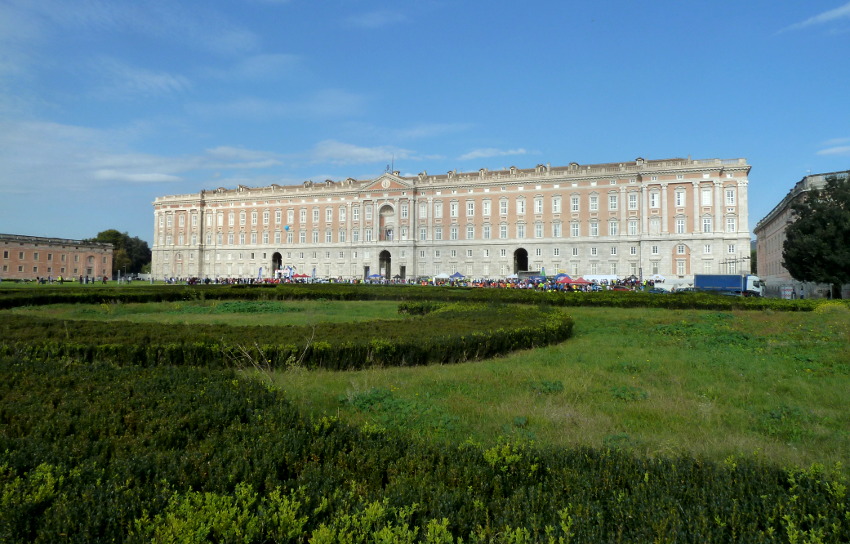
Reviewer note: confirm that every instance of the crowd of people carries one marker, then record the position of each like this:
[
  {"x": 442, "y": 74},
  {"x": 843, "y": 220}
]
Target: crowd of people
[{"x": 554, "y": 283}]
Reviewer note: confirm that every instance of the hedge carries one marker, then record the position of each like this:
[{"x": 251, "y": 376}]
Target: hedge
[{"x": 99, "y": 453}]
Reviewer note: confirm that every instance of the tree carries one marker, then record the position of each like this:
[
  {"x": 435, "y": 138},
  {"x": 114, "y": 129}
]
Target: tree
[
  {"x": 130, "y": 254},
  {"x": 817, "y": 243}
]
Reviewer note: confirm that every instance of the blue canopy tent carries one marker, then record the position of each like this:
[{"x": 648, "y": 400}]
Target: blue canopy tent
[{"x": 457, "y": 276}]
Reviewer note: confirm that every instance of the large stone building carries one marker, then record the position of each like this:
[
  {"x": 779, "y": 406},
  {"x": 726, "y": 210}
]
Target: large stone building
[
  {"x": 770, "y": 233},
  {"x": 673, "y": 218},
  {"x": 31, "y": 257}
]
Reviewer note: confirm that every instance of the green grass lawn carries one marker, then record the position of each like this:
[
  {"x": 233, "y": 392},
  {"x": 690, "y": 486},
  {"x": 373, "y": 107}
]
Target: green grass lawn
[
  {"x": 657, "y": 382},
  {"x": 223, "y": 312}
]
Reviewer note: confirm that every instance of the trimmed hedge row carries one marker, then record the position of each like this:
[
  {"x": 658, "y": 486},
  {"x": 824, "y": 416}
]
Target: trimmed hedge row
[
  {"x": 10, "y": 298},
  {"x": 447, "y": 334},
  {"x": 99, "y": 453}
]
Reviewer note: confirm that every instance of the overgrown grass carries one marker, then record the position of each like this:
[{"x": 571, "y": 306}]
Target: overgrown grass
[{"x": 656, "y": 382}]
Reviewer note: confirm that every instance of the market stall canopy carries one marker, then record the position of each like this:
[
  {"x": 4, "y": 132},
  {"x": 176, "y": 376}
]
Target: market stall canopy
[
  {"x": 442, "y": 276},
  {"x": 457, "y": 276}
]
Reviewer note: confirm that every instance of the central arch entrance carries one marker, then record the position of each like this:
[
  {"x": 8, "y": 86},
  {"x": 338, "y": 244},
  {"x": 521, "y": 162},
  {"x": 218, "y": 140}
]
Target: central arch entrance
[
  {"x": 520, "y": 261},
  {"x": 277, "y": 264},
  {"x": 384, "y": 264}
]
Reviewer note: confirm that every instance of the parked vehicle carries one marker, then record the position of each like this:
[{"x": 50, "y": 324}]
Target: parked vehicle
[{"x": 739, "y": 284}]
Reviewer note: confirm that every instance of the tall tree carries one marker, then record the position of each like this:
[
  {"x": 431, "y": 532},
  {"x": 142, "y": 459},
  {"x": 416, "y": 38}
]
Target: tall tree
[
  {"x": 817, "y": 243},
  {"x": 130, "y": 254}
]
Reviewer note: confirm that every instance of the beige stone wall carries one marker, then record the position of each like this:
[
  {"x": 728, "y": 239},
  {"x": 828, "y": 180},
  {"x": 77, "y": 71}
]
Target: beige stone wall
[{"x": 640, "y": 218}]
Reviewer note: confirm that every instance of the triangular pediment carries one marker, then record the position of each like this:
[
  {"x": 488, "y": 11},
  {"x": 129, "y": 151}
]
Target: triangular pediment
[{"x": 388, "y": 182}]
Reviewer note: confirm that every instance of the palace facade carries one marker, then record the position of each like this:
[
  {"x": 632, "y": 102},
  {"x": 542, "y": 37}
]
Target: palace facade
[
  {"x": 31, "y": 257},
  {"x": 770, "y": 232},
  {"x": 671, "y": 218}
]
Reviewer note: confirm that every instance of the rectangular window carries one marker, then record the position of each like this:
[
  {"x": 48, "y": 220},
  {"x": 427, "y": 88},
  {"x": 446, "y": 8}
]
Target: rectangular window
[
  {"x": 730, "y": 197},
  {"x": 520, "y": 231},
  {"x": 574, "y": 230},
  {"x": 423, "y": 211},
  {"x": 654, "y": 250},
  {"x": 438, "y": 233},
  {"x": 367, "y": 235},
  {"x": 632, "y": 250},
  {"x": 503, "y": 232},
  {"x": 538, "y": 230},
  {"x": 680, "y": 226},
  {"x": 731, "y": 224},
  {"x": 503, "y": 207},
  {"x": 438, "y": 210},
  {"x": 633, "y": 227},
  {"x": 302, "y": 216},
  {"x": 329, "y": 215},
  {"x": 423, "y": 233},
  {"x": 343, "y": 213},
  {"x": 633, "y": 201},
  {"x": 556, "y": 230},
  {"x": 574, "y": 203},
  {"x": 653, "y": 200},
  {"x": 520, "y": 206},
  {"x": 485, "y": 232},
  {"x": 706, "y": 224},
  {"x": 355, "y": 214},
  {"x": 706, "y": 249},
  {"x": 290, "y": 216},
  {"x": 680, "y": 198},
  {"x": 706, "y": 196},
  {"x": 315, "y": 215},
  {"x": 556, "y": 204},
  {"x": 613, "y": 251},
  {"x": 470, "y": 209},
  {"x": 470, "y": 232},
  {"x": 613, "y": 202},
  {"x": 453, "y": 209},
  {"x": 575, "y": 252},
  {"x": 594, "y": 228},
  {"x": 556, "y": 252},
  {"x": 485, "y": 208},
  {"x": 538, "y": 205},
  {"x": 254, "y": 218},
  {"x": 613, "y": 228},
  {"x": 594, "y": 203},
  {"x": 368, "y": 212},
  {"x": 404, "y": 211},
  {"x": 453, "y": 234}
]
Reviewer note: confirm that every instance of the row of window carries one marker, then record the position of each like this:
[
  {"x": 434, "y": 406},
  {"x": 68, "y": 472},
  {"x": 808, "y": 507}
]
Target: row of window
[
  {"x": 452, "y": 232},
  {"x": 49, "y": 270},
  {"x": 37, "y": 256},
  {"x": 679, "y": 197},
  {"x": 593, "y": 251}
]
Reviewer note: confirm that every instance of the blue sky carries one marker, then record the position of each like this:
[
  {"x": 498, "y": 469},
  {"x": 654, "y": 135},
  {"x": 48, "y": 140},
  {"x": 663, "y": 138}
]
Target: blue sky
[{"x": 107, "y": 104}]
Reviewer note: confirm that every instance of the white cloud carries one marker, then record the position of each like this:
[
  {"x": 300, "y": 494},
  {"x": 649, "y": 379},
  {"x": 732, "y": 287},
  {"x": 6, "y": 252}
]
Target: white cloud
[
  {"x": 841, "y": 151},
  {"x": 123, "y": 81},
  {"x": 377, "y": 19},
  {"x": 842, "y": 12},
  {"x": 326, "y": 103},
  {"x": 332, "y": 151},
  {"x": 113, "y": 175},
  {"x": 491, "y": 152},
  {"x": 39, "y": 156}
]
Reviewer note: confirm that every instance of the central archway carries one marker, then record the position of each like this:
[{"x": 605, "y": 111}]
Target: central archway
[
  {"x": 384, "y": 264},
  {"x": 277, "y": 264},
  {"x": 520, "y": 261}
]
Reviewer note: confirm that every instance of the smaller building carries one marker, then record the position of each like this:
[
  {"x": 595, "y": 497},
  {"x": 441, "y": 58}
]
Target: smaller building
[
  {"x": 770, "y": 233},
  {"x": 33, "y": 257}
]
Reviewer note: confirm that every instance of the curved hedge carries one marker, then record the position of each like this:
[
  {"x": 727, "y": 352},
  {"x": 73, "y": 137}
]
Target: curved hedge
[
  {"x": 97, "y": 453},
  {"x": 448, "y": 334}
]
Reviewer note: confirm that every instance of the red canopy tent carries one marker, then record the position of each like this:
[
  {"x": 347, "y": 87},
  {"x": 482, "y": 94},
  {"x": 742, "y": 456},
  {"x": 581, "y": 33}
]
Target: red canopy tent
[
  {"x": 580, "y": 281},
  {"x": 300, "y": 276}
]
